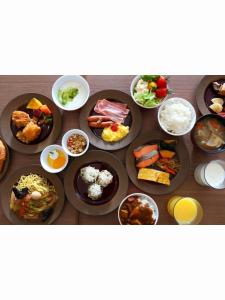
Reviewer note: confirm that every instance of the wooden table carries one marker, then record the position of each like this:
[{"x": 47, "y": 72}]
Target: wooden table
[{"x": 213, "y": 202}]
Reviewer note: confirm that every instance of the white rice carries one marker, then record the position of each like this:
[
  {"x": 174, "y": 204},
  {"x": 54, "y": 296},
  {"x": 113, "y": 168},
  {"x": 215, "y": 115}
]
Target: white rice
[
  {"x": 104, "y": 178},
  {"x": 176, "y": 117},
  {"x": 94, "y": 191},
  {"x": 89, "y": 174}
]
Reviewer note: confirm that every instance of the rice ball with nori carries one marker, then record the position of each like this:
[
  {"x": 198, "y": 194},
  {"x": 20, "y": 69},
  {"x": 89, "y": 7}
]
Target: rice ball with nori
[
  {"x": 104, "y": 178},
  {"x": 89, "y": 174},
  {"x": 94, "y": 191}
]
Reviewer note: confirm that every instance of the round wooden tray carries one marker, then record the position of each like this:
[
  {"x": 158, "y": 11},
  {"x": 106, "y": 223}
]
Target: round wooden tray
[
  {"x": 14, "y": 177},
  {"x": 74, "y": 197},
  {"x": 5, "y": 122},
  {"x": 117, "y": 96},
  {"x": 200, "y": 92},
  {"x": 151, "y": 187}
]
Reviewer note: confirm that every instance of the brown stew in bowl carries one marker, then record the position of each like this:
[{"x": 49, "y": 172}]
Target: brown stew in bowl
[{"x": 134, "y": 211}]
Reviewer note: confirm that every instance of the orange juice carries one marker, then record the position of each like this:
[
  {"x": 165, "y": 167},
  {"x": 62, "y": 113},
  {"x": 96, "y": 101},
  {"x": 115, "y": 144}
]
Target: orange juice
[{"x": 185, "y": 210}]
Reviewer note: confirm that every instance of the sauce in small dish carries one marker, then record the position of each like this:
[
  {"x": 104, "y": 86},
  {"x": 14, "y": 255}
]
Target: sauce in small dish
[
  {"x": 54, "y": 159},
  {"x": 75, "y": 142}
]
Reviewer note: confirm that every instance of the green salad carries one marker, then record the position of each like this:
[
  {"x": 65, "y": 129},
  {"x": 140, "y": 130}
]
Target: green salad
[
  {"x": 150, "y": 90},
  {"x": 67, "y": 95}
]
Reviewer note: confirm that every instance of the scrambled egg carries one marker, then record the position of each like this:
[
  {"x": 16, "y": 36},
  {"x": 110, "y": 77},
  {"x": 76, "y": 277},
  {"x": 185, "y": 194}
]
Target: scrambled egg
[{"x": 109, "y": 135}]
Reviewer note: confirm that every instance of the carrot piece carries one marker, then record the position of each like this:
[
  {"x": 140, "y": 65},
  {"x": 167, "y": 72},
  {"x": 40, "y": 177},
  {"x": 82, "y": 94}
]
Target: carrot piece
[
  {"x": 214, "y": 123},
  {"x": 45, "y": 109},
  {"x": 167, "y": 154},
  {"x": 147, "y": 162},
  {"x": 143, "y": 150},
  {"x": 199, "y": 125}
]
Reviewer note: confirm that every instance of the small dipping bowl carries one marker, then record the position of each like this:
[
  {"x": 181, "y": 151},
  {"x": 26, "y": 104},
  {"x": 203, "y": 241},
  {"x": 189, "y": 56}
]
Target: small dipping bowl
[
  {"x": 66, "y": 137},
  {"x": 44, "y": 159},
  {"x": 145, "y": 198},
  {"x": 211, "y": 116}
]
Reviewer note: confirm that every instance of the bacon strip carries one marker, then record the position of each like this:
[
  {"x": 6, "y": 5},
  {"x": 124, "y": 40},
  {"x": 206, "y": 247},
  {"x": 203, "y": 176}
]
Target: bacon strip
[{"x": 116, "y": 111}]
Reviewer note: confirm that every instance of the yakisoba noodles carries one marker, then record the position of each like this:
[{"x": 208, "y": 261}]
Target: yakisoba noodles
[{"x": 34, "y": 183}]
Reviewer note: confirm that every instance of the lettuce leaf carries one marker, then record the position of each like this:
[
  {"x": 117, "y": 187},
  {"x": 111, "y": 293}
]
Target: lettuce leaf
[{"x": 147, "y": 99}]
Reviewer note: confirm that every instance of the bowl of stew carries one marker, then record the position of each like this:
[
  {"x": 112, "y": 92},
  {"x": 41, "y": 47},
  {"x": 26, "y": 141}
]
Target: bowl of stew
[
  {"x": 75, "y": 142},
  {"x": 208, "y": 133},
  {"x": 138, "y": 209}
]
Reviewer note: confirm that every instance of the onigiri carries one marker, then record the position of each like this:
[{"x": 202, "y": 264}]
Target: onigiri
[
  {"x": 104, "y": 178},
  {"x": 89, "y": 174},
  {"x": 94, "y": 191}
]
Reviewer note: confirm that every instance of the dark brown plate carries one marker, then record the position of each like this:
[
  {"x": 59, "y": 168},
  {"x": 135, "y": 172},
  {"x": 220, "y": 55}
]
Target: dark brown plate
[
  {"x": 151, "y": 187},
  {"x": 5, "y": 124},
  {"x": 205, "y": 92},
  {"x": 134, "y": 119},
  {"x": 6, "y": 163},
  {"x": 75, "y": 197},
  {"x": 14, "y": 177}
]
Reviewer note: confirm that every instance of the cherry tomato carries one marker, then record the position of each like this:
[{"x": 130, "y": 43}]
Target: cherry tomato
[
  {"x": 114, "y": 127},
  {"x": 161, "y": 82},
  {"x": 161, "y": 92}
]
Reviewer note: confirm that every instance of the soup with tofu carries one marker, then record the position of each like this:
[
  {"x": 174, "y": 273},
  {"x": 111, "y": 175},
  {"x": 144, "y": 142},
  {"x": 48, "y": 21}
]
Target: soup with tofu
[{"x": 209, "y": 134}]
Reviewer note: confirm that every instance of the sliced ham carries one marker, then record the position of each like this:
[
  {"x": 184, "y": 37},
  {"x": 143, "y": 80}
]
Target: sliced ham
[{"x": 116, "y": 111}]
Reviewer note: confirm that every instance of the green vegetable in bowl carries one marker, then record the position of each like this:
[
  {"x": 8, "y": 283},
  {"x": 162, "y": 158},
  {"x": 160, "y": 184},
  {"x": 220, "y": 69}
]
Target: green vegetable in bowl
[
  {"x": 147, "y": 99},
  {"x": 67, "y": 95}
]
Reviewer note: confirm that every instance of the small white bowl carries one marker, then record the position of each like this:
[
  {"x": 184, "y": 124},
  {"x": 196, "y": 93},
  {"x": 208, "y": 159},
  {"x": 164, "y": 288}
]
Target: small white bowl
[
  {"x": 75, "y": 81},
  {"x": 152, "y": 205},
  {"x": 187, "y": 104},
  {"x": 44, "y": 159},
  {"x": 67, "y": 135},
  {"x": 132, "y": 86}
]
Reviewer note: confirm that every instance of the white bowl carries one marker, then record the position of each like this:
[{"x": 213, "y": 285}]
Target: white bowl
[
  {"x": 71, "y": 80},
  {"x": 187, "y": 104},
  {"x": 152, "y": 204},
  {"x": 133, "y": 84},
  {"x": 44, "y": 157},
  {"x": 67, "y": 135}
]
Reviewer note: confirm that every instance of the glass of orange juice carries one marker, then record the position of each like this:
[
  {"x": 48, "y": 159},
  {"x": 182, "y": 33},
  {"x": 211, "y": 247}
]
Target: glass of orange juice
[{"x": 185, "y": 210}]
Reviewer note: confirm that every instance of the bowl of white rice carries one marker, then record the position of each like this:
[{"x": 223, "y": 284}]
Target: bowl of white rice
[{"x": 176, "y": 116}]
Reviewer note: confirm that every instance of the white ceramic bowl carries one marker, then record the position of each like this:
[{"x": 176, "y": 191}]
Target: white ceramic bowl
[
  {"x": 132, "y": 86},
  {"x": 187, "y": 104},
  {"x": 152, "y": 204},
  {"x": 75, "y": 81},
  {"x": 67, "y": 135},
  {"x": 44, "y": 157}
]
